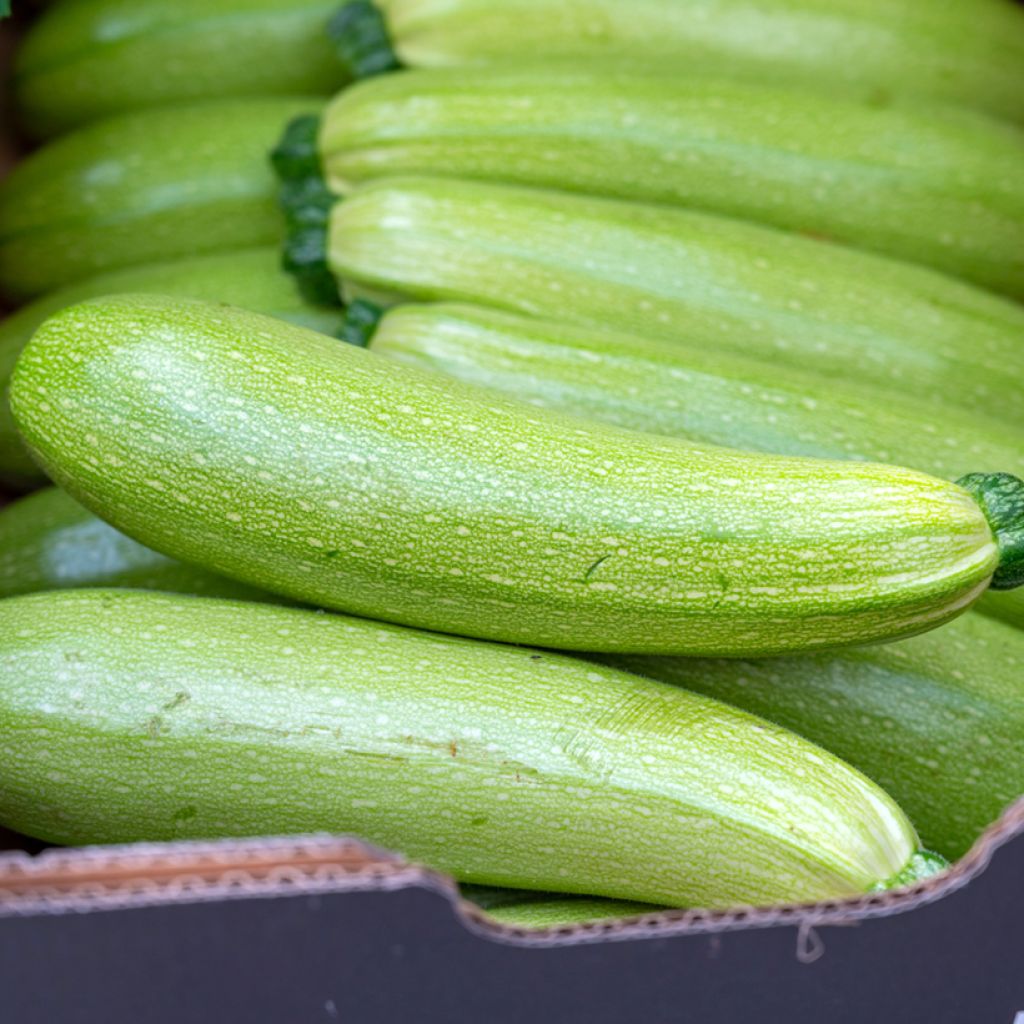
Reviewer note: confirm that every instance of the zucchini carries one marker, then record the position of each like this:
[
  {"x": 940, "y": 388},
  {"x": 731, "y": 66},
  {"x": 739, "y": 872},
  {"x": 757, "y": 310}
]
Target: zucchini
[
  {"x": 688, "y": 392},
  {"x": 97, "y": 58},
  {"x": 936, "y": 720},
  {"x": 251, "y": 278},
  {"x": 155, "y": 185},
  {"x": 49, "y": 542},
  {"x": 965, "y": 53},
  {"x": 130, "y": 716},
  {"x": 679, "y": 275},
  {"x": 938, "y": 187},
  {"x": 566, "y": 911},
  {"x": 318, "y": 470}
]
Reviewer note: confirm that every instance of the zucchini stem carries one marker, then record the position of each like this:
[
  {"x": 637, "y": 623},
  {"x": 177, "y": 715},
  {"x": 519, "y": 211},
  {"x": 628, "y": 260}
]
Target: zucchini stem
[
  {"x": 921, "y": 865},
  {"x": 306, "y": 202},
  {"x": 361, "y": 40},
  {"x": 360, "y": 323},
  {"x": 1001, "y": 497}
]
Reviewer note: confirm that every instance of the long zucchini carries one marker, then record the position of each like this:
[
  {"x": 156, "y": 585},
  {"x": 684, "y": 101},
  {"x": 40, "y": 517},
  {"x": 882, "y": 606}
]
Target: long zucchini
[
  {"x": 128, "y": 715},
  {"x": 939, "y": 187},
  {"x": 687, "y": 392},
  {"x": 282, "y": 458},
  {"x": 49, "y": 542},
  {"x": 97, "y": 58},
  {"x": 678, "y": 275},
  {"x": 250, "y": 278},
  {"x": 155, "y": 185},
  {"x": 966, "y": 53},
  {"x": 936, "y": 720}
]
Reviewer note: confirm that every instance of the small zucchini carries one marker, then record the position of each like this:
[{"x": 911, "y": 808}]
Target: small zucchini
[
  {"x": 155, "y": 185},
  {"x": 97, "y": 58},
  {"x": 49, "y": 542},
  {"x": 940, "y": 187},
  {"x": 321, "y": 471},
  {"x": 130, "y": 716},
  {"x": 965, "y": 53},
  {"x": 936, "y": 720},
  {"x": 710, "y": 281},
  {"x": 250, "y": 278}
]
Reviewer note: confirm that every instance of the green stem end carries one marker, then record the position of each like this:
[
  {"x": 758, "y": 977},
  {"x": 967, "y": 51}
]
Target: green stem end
[
  {"x": 361, "y": 40},
  {"x": 306, "y": 202},
  {"x": 924, "y": 864},
  {"x": 361, "y": 320},
  {"x": 1001, "y": 497}
]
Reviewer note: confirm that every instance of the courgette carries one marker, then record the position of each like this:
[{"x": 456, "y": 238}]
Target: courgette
[
  {"x": 130, "y": 716},
  {"x": 681, "y": 275},
  {"x": 49, "y": 542},
  {"x": 936, "y": 720},
  {"x": 938, "y": 187},
  {"x": 563, "y": 912},
  {"x": 251, "y": 278},
  {"x": 155, "y": 185},
  {"x": 688, "y": 392},
  {"x": 97, "y": 58},
  {"x": 318, "y": 470},
  {"x": 964, "y": 53}
]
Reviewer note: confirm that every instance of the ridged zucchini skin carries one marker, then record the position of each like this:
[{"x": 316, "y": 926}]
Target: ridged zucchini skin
[
  {"x": 97, "y": 58},
  {"x": 318, "y": 470},
  {"x": 936, "y": 720},
  {"x": 938, "y": 187},
  {"x": 49, "y": 542},
  {"x": 964, "y": 53},
  {"x": 150, "y": 186},
  {"x": 683, "y": 275},
  {"x": 260, "y": 720},
  {"x": 250, "y": 278}
]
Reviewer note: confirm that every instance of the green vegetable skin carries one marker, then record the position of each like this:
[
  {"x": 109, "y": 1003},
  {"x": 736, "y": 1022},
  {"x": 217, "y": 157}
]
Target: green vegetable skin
[
  {"x": 720, "y": 284},
  {"x": 936, "y": 720},
  {"x": 688, "y": 392},
  {"x": 96, "y": 58},
  {"x": 560, "y": 913},
  {"x": 265, "y": 720},
  {"x": 320, "y": 471},
  {"x": 49, "y": 542},
  {"x": 251, "y": 278},
  {"x": 149, "y": 186},
  {"x": 938, "y": 187},
  {"x": 969, "y": 53}
]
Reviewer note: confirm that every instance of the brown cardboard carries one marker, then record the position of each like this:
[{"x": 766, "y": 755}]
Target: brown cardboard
[{"x": 91, "y": 879}]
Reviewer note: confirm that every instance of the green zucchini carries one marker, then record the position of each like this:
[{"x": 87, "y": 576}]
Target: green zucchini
[
  {"x": 97, "y": 58},
  {"x": 127, "y": 716},
  {"x": 155, "y": 185},
  {"x": 679, "y": 275},
  {"x": 688, "y": 392},
  {"x": 936, "y": 720},
  {"x": 566, "y": 911},
  {"x": 318, "y": 470},
  {"x": 49, "y": 542},
  {"x": 251, "y": 278},
  {"x": 938, "y": 187},
  {"x": 965, "y": 53}
]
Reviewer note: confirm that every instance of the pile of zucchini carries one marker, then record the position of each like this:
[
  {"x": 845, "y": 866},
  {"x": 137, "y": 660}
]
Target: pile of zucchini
[{"x": 584, "y": 454}]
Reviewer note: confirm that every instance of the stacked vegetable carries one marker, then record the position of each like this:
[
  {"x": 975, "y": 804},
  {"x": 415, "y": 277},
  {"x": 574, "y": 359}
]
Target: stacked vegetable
[{"x": 651, "y": 333}]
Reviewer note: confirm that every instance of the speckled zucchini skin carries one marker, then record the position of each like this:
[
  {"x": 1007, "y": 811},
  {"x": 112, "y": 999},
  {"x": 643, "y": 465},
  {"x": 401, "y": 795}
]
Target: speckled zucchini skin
[
  {"x": 323, "y": 472},
  {"x": 128, "y": 715},
  {"x": 251, "y": 278},
  {"x": 933, "y": 186},
  {"x": 155, "y": 185},
  {"x": 49, "y": 542},
  {"x": 97, "y": 58},
  {"x": 965, "y": 53},
  {"x": 687, "y": 392},
  {"x": 682, "y": 275},
  {"x": 936, "y": 720}
]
